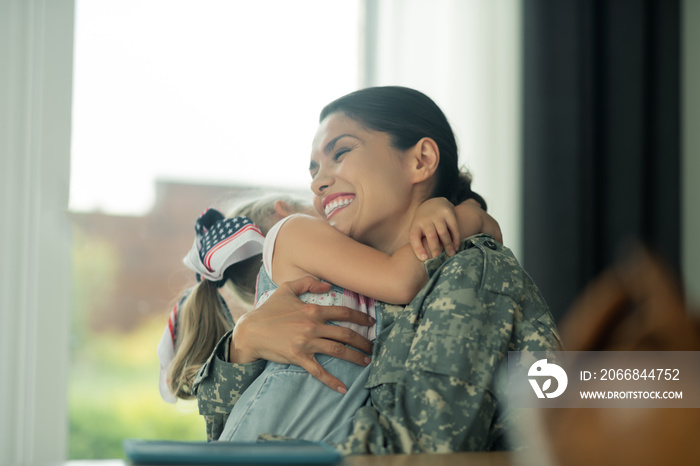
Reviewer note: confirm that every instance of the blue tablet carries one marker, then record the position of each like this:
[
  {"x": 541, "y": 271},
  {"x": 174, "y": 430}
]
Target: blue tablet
[{"x": 282, "y": 452}]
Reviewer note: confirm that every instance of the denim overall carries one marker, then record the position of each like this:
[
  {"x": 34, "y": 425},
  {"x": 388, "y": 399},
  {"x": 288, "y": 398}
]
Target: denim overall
[{"x": 286, "y": 400}]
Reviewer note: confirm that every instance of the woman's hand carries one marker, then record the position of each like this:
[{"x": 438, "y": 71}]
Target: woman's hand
[{"x": 286, "y": 330}]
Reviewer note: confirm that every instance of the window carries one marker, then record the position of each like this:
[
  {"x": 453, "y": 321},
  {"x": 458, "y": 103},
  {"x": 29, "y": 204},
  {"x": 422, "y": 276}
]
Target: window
[
  {"x": 36, "y": 130},
  {"x": 178, "y": 105}
]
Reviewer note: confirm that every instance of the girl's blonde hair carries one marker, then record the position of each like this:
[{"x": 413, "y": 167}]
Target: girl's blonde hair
[{"x": 203, "y": 317}]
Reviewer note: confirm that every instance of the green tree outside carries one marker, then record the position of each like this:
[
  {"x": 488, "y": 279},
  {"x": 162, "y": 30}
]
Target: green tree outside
[{"x": 113, "y": 388}]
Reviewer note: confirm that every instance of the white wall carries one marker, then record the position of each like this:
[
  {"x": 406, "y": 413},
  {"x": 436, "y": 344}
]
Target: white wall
[
  {"x": 465, "y": 54},
  {"x": 36, "y": 47},
  {"x": 690, "y": 100}
]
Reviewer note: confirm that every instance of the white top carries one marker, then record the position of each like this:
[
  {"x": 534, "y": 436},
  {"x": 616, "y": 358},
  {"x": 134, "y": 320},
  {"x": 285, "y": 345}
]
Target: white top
[{"x": 337, "y": 296}]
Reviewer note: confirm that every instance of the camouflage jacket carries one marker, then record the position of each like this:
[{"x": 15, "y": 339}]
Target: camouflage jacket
[{"x": 434, "y": 379}]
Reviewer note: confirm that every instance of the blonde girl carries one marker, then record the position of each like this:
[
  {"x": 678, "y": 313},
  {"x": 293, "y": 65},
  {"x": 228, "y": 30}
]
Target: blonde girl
[{"x": 201, "y": 317}]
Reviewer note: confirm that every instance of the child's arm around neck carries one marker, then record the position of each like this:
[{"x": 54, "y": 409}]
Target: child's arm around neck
[{"x": 309, "y": 246}]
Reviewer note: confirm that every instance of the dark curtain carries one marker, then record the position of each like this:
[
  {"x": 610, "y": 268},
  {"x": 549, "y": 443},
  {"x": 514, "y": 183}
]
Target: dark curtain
[{"x": 601, "y": 137}]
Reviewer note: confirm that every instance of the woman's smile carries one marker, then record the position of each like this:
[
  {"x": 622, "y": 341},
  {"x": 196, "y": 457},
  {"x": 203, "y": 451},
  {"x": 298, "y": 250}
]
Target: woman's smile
[{"x": 335, "y": 202}]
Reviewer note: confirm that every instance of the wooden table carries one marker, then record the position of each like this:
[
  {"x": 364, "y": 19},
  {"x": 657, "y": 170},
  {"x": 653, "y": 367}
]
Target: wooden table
[{"x": 451, "y": 459}]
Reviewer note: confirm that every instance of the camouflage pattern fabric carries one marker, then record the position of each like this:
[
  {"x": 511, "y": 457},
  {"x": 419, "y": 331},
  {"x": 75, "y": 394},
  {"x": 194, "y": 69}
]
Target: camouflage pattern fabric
[
  {"x": 434, "y": 380},
  {"x": 219, "y": 384},
  {"x": 436, "y": 364}
]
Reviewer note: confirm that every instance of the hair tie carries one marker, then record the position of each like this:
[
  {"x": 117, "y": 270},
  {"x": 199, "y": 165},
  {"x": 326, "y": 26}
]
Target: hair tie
[{"x": 221, "y": 242}]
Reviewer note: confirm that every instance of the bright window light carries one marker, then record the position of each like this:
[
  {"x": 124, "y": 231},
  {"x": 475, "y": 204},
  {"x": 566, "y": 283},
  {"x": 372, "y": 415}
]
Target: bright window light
[{"x": 214, "y": 91}]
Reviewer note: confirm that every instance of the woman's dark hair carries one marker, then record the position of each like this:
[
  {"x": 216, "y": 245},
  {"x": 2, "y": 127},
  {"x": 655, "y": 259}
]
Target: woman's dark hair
[{"x": 408, "y": 116}]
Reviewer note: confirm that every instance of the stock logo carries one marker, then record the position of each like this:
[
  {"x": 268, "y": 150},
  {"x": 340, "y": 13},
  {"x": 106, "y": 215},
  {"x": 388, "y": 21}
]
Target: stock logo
[{"x": 542, "y": 369}]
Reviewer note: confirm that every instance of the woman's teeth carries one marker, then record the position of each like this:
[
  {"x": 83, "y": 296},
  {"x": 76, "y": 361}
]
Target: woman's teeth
[{"x": 337, "y": 204}]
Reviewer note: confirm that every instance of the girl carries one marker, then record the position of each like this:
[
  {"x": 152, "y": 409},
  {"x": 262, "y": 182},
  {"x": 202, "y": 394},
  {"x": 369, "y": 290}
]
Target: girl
[{"x": 201, "y": 317}]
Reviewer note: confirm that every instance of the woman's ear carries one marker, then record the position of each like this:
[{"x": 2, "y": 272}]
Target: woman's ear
[
  {"x": 282, "y": 208},
  {"x": 425, "y": 158}
]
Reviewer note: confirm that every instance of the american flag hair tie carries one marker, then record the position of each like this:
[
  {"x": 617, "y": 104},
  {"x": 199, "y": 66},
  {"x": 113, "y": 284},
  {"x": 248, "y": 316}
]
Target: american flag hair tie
[{"x": 221, "y": 242}]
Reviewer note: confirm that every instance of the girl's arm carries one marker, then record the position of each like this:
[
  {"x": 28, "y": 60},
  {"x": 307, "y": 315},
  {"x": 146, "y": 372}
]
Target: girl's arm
[{"x": 307, "y": 245}]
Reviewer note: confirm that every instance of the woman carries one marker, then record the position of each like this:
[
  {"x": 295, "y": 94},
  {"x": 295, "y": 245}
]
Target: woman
[{"x": 432, "y": 382}]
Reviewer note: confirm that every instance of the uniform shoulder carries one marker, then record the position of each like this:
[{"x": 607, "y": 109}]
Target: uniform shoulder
[{"x": 484, "y": 261}]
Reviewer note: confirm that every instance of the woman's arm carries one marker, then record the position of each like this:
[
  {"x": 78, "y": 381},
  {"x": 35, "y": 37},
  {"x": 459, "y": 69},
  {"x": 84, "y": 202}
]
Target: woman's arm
[
  {"x": 224, "y": 377},
  {"x": 286, "y": 330},
  {"x": 218, "y": 385}
]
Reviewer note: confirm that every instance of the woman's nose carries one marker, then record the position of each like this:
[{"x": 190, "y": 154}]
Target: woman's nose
[{"x": 321, "y": 182}]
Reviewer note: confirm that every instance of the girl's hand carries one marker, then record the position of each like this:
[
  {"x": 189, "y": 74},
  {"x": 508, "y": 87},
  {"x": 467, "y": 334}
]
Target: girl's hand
[
  {"x": 287, "y": 330},
  {"x": 434, "y": 229},
  {"x": 438, "y": 225}
]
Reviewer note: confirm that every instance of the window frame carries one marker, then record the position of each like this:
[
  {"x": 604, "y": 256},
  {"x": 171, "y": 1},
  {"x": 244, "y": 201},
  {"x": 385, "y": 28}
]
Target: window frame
[{"x": 35, "y": 130}]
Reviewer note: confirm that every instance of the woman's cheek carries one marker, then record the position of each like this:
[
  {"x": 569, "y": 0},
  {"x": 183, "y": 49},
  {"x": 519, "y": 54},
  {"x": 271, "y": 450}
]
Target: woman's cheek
[{"x": 317, "y": 209}]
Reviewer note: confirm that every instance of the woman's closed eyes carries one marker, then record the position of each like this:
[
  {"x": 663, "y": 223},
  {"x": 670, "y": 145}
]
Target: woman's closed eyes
[{"x": 339, "y": 154}]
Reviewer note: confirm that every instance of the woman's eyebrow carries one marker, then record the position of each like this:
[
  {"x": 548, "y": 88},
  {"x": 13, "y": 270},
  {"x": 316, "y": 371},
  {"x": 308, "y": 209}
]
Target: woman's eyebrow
[{"x": 329, "y": 147}]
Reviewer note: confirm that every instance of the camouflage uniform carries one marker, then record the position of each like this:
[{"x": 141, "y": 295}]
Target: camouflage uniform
[{"x": 434, "y": 377}]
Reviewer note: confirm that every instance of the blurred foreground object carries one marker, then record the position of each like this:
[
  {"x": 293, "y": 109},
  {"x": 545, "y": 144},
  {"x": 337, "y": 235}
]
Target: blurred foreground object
[{"x": 635, "y": 306}]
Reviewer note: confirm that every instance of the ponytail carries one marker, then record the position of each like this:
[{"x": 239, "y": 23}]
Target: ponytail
[
  {"x": 459, "y": 190},
  {"x": 202, "y": 320}
]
